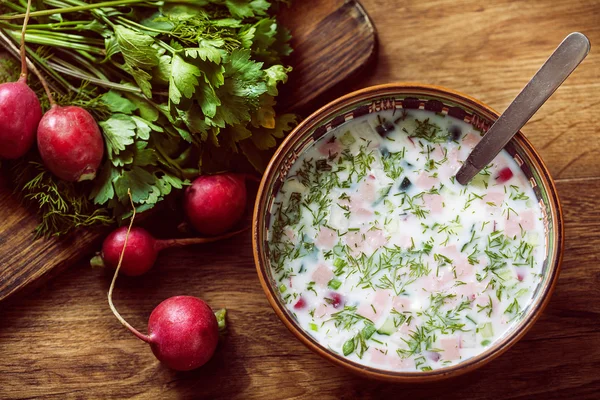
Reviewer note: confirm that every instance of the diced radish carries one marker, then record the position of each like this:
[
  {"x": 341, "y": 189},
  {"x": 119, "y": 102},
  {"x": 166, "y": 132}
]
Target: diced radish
[
  {"x": 300, "y": 304},
  {"x": 433, "y": 356},
  {"x": 336, "y": 299},
  {"x": 504, "y": 175}
]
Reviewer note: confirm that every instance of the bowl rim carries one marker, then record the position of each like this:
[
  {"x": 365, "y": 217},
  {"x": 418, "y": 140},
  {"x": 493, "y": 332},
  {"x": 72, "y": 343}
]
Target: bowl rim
[{"x": 501, "y": 346}]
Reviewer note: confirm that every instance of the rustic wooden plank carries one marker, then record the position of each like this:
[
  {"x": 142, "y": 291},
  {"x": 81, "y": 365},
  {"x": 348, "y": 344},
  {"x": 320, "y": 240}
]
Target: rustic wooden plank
[
  {"x": 63, "y": 342},
  {"x": 335, "y": 27}
]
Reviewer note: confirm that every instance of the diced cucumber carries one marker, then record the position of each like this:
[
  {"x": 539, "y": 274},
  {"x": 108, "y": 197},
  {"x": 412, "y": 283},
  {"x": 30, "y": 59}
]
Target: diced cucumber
[
  {"x": 347, "y": 139},
  {"x": 334, "y": 284},
  {"x": 481, "y": 181},
  {"x": 348, "y": 347},
  {"x": 313, "y": 327},
  {"x": 506, "y": 274},
  {"x": 368, "y": 331},
  {"x": 486, "y": 342},
  {"x": 388, "y": 327},
  {"x": 282, "y": 288},
  {"x": 486, "y": 330}
]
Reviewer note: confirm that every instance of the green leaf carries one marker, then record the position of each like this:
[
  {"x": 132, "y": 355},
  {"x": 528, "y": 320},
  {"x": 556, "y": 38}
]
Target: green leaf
[
  {"x": 117, "y": 103},
  {"x": 143, "y": 156},
  {"x": 119, "y": 131},
  {"x": 103, "y": 190},
  {"x": 207, "y": 49},
  {"x": 142, "y": 78},
  {"x": 246, "y": 9},
  {"x": 264, "y": 138},
  {"x": 162, "y": 72},
  {"x": 146, "y": 109},
  {"x": 139, "y": 180},
  {"x": 184, "y": 79},
  {"x": 276, "y": 74},
  {"x": 208, "y": 100},
  {"x": 137, "y": 48}
]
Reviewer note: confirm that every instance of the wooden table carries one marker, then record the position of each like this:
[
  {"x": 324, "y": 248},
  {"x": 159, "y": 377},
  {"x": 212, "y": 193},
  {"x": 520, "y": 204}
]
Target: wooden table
[{"x": 63, "y": 342}]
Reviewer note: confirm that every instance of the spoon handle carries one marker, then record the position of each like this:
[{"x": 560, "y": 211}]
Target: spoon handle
[{"x": 549, "y": 77}]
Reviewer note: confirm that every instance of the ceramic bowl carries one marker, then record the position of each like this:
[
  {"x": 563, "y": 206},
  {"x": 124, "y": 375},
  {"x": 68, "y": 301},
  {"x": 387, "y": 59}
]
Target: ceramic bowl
[{"x": 409, "y": 96}]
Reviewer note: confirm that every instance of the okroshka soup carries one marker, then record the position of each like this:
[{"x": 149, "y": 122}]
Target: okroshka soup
[{"x": 382, "y": 257}]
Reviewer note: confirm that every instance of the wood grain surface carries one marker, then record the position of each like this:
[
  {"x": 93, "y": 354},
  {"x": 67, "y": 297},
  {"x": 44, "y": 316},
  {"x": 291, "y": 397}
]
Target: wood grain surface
[
  {"x": 62, "y": 341},
  {"x": 334, "y": 27}
]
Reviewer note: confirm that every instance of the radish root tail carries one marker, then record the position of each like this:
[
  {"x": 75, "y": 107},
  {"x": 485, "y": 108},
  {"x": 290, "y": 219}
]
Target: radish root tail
[{"x": 137, "y": 333}]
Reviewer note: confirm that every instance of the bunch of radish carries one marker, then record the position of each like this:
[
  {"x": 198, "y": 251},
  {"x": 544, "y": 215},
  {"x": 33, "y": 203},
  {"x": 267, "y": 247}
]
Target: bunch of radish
[
  {"x": 68, "y": 138},
  {"x": 182, "y": 330}
]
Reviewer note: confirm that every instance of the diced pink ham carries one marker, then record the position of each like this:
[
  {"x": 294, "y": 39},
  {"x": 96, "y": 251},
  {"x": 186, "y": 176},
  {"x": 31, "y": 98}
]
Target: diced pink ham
[
  {"x": 375, "y": 238},
  {"x": 290, "y": 234},
  {"x": 527, "y": 219},
  {"x": 471, "y": 139},
  {"x": 401, "y": 240},
  {"x": 494, "y": 197},
  {"x": 367, "y": 311},
  {"x": 324, "y": 311},
  {"x": 378, "y": 357},
  {"x": 438, "y": 153},
  {"x": 330, "y": 148},
  {"x": 354, "y": 240},
  {"x": 450, "y": 348},
  {"x": 450, "y": 251},
  {"x": 362, "y": 213},
  {"x": 322, "y": 275},
  {"x": 468, "y": 290},
  {"x": 366, "y": 191},
  {"x": 424, "y": 181},
  {"x": 401, "y": 303},
  {"x": 452, "y": 165},
  {"x": 380, "y": 303},
  {"x": 463, "y": 267},
  {"x": 434, "y": 202},
  {"x": 326, "y": 238},
  {"x": 512, "y": 227},
  {"x": 400, "y": 363}
]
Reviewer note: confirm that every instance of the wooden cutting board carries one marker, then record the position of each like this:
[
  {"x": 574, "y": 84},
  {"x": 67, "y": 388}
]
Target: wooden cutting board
[{"x": 333, "y": 41}]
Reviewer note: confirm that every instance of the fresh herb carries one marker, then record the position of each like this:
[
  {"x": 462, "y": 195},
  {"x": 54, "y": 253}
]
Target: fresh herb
[{"x": 177, "y": 90}]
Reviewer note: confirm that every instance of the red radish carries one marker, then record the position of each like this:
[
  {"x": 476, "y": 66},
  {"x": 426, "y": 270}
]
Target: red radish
[
  {"x": 20, "y": 110},
  {"x": 183, "y": 332},
  {"x": 70, "y": 143},
  {"x": 142, "y": 248},
  {"x": 215, "y": 203},
  {"x": 300, "y": 304},
  {"x": 504, "y": 175},
  {"x": 336, "y": 299}
]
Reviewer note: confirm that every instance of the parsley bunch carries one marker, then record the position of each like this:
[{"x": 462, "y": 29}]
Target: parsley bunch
[{"x": 178, "y": 88}]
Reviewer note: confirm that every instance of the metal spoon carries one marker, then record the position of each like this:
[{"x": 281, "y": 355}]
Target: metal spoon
[{"x": 550, "y": 76}]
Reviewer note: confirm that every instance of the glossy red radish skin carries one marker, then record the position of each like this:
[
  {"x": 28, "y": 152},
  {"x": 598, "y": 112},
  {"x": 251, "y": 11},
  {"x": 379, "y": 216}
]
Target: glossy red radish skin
[
  {"x": 70, "y": 143},
  {"x": 215, "y": 203},
  {"x": 20, "y": 110},
  {"x": 20, "y": 114},
  {"x": 142, "y": 249},
  {"x": 183, "y": 332},
  {"x": 140, "y": 254}
]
